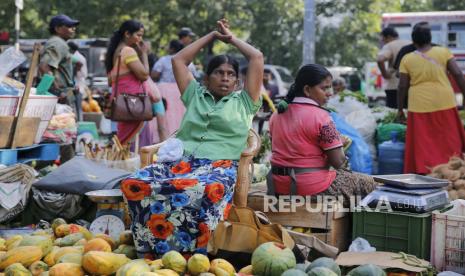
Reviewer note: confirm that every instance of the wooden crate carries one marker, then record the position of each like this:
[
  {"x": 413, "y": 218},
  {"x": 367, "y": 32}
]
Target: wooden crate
[{"x": 332, "y": 225}]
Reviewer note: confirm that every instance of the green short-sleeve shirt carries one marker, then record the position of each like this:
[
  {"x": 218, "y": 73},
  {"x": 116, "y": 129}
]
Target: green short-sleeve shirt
[
  {"x": 216, "y": 130},
  {"x": 57, "y": 55}
]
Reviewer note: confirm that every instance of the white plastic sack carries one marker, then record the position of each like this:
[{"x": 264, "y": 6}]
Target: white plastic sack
[
  {"x": 346, "y": 107},
  {"x": 10, "y": 59},
  {"x": 361, "y": 245},
  {"x": 171, "y": 151}
]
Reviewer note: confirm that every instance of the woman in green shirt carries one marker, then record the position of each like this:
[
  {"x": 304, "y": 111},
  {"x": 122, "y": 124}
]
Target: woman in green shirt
[{"x": 176, "y": 205}]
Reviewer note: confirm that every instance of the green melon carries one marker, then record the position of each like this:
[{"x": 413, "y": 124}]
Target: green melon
[
  {"x": 294, "y": 272},
  {"x": 325, "y": 262},
  {"x": 272, "y": 259},
  {"x": 367, "y": 270},
  {"x": 321, "y": 271}
]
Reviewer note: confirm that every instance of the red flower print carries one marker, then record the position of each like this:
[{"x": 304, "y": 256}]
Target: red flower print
[
  {"x": 181, "y": 168},
  {"x": 135, "y": 189},
  {"x": 204, "y": 236},
  {"x": 160, "y": 227},
  {"x": 180, "y": 184},
  {"x": 215, "y": 192},
  {"x": 222, "y": 163}
]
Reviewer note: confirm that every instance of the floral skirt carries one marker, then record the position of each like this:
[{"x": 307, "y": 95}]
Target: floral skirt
[{"x": 176, "y": 205}]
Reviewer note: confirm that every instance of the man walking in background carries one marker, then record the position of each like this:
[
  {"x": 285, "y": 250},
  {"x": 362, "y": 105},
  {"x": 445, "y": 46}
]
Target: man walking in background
[{"x": 392, "y": 45}]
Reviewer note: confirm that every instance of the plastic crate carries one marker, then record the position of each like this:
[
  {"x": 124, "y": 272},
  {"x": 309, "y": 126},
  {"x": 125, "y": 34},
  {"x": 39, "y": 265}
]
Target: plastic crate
[
  {"x": 448, "y": 238},
  {"x": 47, "y": 152},
  {"x": 394, "y": 231}
]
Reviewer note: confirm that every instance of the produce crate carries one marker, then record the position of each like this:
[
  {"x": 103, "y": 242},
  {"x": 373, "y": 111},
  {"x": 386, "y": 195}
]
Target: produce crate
[
  {"x": 394, "y": 231},
  {"x": 448, "y": 238},
  {"x": 47, "y": 152},
  {"x": 328, "y": 223}
]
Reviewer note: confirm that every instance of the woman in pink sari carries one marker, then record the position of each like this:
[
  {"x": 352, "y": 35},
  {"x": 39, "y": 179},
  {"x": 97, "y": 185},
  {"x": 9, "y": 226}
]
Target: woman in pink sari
[{"x": 127, "y": 66}]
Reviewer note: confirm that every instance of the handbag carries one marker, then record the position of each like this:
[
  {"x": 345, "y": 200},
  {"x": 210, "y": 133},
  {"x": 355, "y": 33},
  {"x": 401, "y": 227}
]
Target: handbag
[
  {"x": 236, "y": 238},
  {"x": 130, "y": 107}
]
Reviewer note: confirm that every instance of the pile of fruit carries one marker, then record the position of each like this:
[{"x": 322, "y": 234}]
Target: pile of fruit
[
  {"x": 71, "y": 250},
  {"x": 454, "y": 171}
]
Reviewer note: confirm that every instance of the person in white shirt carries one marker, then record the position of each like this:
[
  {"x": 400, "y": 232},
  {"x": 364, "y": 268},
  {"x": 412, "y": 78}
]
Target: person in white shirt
[
  {"x": 80, "y": 73},
  {"x": 392, "y": 46},
  {"x": 162, "y": 71}
]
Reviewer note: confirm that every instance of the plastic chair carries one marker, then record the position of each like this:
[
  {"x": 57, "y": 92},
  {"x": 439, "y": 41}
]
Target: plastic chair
[{"x": 243, "y": 173}]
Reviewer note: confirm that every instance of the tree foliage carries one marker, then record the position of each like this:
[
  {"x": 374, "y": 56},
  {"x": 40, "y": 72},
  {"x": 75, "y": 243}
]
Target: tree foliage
[{"x": 274, "y": 26}]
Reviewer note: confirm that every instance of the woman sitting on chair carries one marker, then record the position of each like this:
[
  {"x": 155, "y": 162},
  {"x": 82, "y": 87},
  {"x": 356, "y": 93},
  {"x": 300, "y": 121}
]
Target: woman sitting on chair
[
  {"x": 176, "y": 205},
  {"x": 305, "y": 143}
]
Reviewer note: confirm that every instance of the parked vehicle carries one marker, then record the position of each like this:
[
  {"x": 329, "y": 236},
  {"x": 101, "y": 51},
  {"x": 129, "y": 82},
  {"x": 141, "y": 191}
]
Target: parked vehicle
[{"x": 282, "y": 78}]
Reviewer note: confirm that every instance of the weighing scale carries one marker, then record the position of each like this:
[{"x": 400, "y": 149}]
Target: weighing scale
[
  {"x": 412, "y": 200},
  {"x": 110, "y": 212}
]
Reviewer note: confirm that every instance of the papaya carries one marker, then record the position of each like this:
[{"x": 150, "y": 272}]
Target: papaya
[
  {"x": 128, "y": 250},
  {"x": 66, "y": 250},
  {"x": 62, "y": 230},
  {"x": 135, "y": 267},
  {"x": 38, "y": 267},
  {"x": 66, "y": 269},
  {"x": 69, "y": 240},
  {"x": 25, "y": 255},
  {"x": 81, "y": 242},
  {"x": 126, "y": 238},
  {"x": 108, "y": 239},
  {"x": 57, "y": 222},
  {"x": 74, "y": 258},
  {"x": 2, "y": 245},
  {"x": 44, "y": 242},
  {"x": 103, "y": 263},
  {"x": 66, "y": 229},
  {"x": 155, "y": 264},
  {"x": 13, "y": 241},
  {"x": 97, "y": 244},
  {"x": 17, "y": 269},
  {"x": 50, "y": 258},
  {"x": 162, "y": 272},
  {"x": 175, "y": 261},
  {"x": 197, "y": 264}
]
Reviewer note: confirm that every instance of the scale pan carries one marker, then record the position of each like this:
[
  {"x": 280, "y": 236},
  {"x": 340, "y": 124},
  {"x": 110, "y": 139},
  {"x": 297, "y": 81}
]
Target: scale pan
[{"x": 106, "y": 196}]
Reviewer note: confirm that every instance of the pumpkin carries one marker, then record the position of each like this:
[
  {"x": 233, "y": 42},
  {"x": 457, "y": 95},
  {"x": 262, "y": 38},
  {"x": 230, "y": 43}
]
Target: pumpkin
[
  {"x": 221, "y": 266},
  {"x": 25, "y": 255},
  {"x": 367, "y": 270},
  {"x": 97, "y": 244},
  {"x": 128, "y": 250},
  {"x": 74, "y": 258},
  {"x": 294, "y": 272},
  {"x": 272, "y": 258},
  {"x": 85, "y": 106},
  {"x": 17, "y": 269},
  {"x": 103, "y": 263},
  {"x": 126, "y": 238},
  {"x": 175, "y": 261},
  {"x": 135, "y": 267},
  {"x": 108, "y": 239},
  {"x": 197, "y": 264},
  {"x": 44, "y": 242},
  {"x": 69, "y": 240},
  {"x": 38, "y": 267},
  {"x": 325, "y": 262},
  {"x": 321, "y": 271},
  {"x": 66, "y": 269}
]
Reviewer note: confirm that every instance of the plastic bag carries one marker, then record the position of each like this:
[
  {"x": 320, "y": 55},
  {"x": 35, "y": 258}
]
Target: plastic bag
[
  {"x": 361, "y": 245},
  {"x": 347, "y": 106},
  {"x": 383, "y": 132},
  {"x": 171, "y": 151},
  {"x": 359, "y": 152},
  {"x": 10, "y": 59}
]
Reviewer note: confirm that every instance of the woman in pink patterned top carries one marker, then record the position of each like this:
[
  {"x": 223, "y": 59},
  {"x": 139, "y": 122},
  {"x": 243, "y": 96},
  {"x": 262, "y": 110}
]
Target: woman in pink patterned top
[{"x": 307, "y": 150}]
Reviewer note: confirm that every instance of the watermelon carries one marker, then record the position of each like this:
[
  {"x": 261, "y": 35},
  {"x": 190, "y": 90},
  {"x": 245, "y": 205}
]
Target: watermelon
[
  {"x": 325, "y": 262},
  {"x": 272, "y": 259},
  {"x": 321, "y": 271},
  {"x": 294, "y": 272},
  {"x": 367, "y": 270}
]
